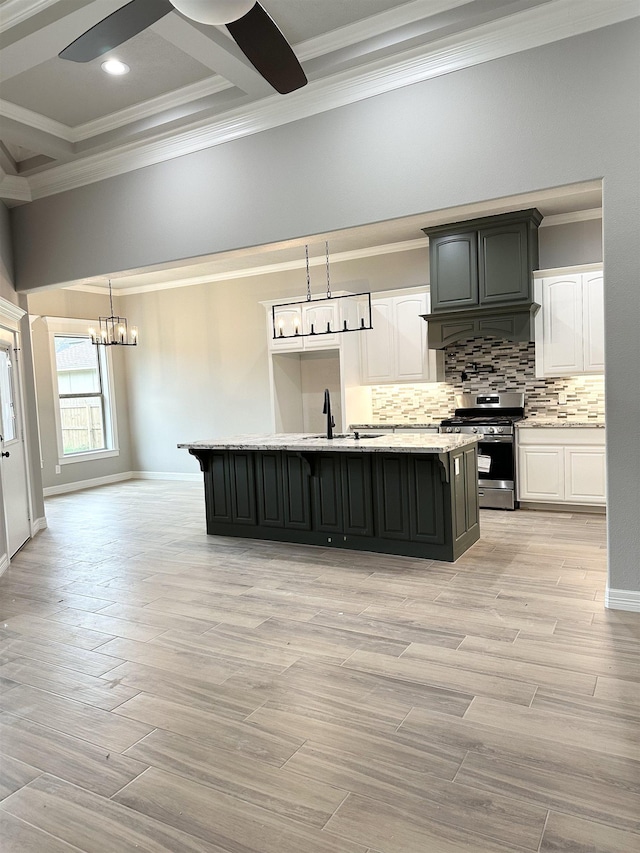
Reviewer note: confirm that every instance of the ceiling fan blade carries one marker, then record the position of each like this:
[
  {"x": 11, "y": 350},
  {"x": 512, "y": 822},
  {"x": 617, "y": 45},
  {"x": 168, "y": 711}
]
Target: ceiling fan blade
[
  {"x": 261, "y": 41},
  {"x": 115, "y": 29}
]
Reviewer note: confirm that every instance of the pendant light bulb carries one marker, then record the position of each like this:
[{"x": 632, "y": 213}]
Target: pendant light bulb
[{"x": 213, "y": 11}]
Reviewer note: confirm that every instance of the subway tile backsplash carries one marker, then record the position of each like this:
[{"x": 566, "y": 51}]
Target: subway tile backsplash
[{"x": 490, "y": 365}]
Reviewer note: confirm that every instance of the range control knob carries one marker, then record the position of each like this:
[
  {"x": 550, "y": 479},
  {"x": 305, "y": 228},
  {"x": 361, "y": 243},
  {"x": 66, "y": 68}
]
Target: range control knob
[
  {"x": 457, "y": 429},
  {"x": 491, "y": 429},
  {"x": 475, "y": 429},
  {"x": 500, "y": 429}
]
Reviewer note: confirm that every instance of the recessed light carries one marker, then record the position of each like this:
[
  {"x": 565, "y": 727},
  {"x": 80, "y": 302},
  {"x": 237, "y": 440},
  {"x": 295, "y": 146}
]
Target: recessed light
[{"x": 115, "y": 67}]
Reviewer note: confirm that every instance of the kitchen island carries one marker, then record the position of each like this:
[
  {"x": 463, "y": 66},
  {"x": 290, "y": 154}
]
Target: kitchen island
[{"x": 413, "y": 495}]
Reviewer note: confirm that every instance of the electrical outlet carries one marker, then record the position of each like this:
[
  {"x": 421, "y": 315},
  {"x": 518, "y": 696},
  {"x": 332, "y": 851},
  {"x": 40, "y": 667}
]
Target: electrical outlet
[
  {"x": 57, "y": 469},
  {"x": 562, "y": 398}
]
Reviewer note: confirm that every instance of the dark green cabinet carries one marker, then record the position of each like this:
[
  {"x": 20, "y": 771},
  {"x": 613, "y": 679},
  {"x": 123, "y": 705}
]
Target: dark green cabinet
[
  {"x": 454, "y": 270},
  {"x": 357, "y": 494},
  {"x": 392, "y": 495},
  {"x": 427, "y": 519},
  {"x": 342, "y": 494},
  {"x": 485, "y": 262},
  {"x": 296, "y": 495},
  {"x": 269, "y": 489},
  {"x": 327, "y": 494},
  {"x": 242, "y": 488},
  {"x": 419, "y": 505}
]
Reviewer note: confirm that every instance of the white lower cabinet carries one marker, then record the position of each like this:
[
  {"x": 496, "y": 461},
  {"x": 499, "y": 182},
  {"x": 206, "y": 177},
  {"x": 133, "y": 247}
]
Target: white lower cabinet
[
  {"x": 562, "y": 465},
  {"x": 541, "y": 474},
  {"x": 396, "y": 348}
]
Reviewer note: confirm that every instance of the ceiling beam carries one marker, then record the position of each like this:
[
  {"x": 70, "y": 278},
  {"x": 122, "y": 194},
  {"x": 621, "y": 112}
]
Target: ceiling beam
[
  {"x": 34, "y": 139},
  {"x": 215, "y": 51}
]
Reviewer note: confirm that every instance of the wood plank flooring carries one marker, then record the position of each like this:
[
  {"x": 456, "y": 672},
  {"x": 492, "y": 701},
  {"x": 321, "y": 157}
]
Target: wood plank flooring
[{"x": 162, "y": 691}]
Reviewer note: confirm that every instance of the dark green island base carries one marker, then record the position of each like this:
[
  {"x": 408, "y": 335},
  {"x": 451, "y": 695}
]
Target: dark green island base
[{"x": 412, "y": 504}]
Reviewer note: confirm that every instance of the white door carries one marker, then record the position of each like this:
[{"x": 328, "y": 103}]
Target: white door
[
  {"x": 322, "y": 318},
  {"x": 585, "y": 475},
  {"x": 411, "y": 337},
  {"x": 288, "y": 321},
  {"x": 541, "y": 473},
  {"x": 593, "y": 308},
  {"x": 562, "y": 320},
  {"x": 378, "y": 363},
  {"x": 13, "y": 467}
]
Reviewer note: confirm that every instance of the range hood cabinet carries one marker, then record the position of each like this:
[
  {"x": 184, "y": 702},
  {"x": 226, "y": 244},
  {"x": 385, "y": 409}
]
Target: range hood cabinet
[
  {"x": 512, "y": 323},
  {"x": 482, "y": 278}
]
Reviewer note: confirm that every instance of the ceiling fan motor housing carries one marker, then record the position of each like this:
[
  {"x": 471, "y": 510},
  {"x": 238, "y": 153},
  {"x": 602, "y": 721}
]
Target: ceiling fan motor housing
[{"x": 213, "y": 11}]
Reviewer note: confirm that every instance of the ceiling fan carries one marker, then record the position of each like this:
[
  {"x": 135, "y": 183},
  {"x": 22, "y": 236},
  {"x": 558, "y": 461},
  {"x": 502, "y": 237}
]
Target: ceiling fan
[{"x": 250, "y": 26}]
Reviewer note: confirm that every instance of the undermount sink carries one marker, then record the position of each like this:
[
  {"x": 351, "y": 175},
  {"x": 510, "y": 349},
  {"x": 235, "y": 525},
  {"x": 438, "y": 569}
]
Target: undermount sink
[{"x": 354, "y": 436}]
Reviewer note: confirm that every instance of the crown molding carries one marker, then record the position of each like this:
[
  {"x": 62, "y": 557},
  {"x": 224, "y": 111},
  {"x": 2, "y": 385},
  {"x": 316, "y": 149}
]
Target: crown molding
[
  {"x": 512, "y": 34},
  {"x": 9, "y": 311},
  {"x": 269, "y": 269},
  {"x": 572, "y": 216},
  {"x": 16, "y": 11}
]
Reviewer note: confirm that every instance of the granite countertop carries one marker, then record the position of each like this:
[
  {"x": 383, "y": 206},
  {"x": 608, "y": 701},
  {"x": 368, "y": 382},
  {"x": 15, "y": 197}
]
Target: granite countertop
[
  {"x": 565, "y": 423},
  {"x": 434, "y": 443},
  {"x": 395, "y": 426}
]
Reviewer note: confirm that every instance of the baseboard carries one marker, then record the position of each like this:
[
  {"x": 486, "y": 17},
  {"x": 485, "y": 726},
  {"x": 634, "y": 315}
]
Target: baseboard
[
  {"x": 37, "y": 525},
  {"x": 166, "y": 475},
  {"x": 622, "y": 599},
  {"x": 562, "y": 507},
  {"x": 86, "y": 484}
]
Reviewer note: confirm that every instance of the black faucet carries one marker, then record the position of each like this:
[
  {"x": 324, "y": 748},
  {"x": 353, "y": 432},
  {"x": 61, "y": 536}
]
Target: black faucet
[{"x": 326, "y": 410}]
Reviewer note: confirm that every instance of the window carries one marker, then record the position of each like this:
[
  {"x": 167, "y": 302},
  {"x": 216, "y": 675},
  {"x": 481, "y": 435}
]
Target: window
[
  {"x": 80, "y": 394},
  {"x": 7, "y": 411},
  {"x": 85, "y": 418}
]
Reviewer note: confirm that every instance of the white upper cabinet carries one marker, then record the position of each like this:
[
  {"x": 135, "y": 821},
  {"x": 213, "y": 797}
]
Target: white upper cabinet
[
  {"x": 304, "y": 326},
  {"x": 395, "y": 349},
  {"x": 593, "y": 321},
  {"x": 570, "y": 324}
]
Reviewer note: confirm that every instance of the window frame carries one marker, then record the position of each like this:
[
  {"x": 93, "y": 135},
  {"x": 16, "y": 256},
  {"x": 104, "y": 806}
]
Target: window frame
[{"x": 74, "y": 328}]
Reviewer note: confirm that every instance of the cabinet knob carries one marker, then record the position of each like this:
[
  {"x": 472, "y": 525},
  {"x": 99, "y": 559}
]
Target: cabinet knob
[{"x": 6, "y": 454}]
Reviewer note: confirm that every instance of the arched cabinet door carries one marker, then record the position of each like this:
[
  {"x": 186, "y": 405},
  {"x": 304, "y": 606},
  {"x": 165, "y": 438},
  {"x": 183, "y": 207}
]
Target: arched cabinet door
[
  {"x": 562, "y": 323},
  {"x": 570, "y": 324},
  {"x": 593, "y": 321}
]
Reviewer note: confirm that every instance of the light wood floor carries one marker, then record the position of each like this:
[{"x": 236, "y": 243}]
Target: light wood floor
[{"x": 161, "y": 690}]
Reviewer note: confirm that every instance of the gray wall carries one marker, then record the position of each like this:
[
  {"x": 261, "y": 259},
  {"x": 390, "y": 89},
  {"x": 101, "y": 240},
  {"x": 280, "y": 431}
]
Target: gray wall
[
  {"x": 559, "y": 243},
  {"x": 560, "y": 114},
  {"x": 69, "y": 303},
  {"x": 7, "y": 291}
]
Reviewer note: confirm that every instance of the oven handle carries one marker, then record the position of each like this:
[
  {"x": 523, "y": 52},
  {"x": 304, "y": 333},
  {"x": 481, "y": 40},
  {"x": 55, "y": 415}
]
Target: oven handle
[{"x": 496, "y": 439}]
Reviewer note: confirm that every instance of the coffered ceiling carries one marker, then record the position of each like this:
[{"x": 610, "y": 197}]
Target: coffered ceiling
[{"x": 64, "y": 124}]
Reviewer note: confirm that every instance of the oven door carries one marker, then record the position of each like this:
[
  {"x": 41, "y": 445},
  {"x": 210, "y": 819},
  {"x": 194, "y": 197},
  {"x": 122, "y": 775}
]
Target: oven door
[{"x": 496, "y": 471}]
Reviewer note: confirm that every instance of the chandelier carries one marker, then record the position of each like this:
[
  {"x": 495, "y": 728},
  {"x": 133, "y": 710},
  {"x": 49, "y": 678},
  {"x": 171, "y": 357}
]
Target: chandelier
[
  {"x": 113, "y": 331},
  {"x": 353, "y": 312}
]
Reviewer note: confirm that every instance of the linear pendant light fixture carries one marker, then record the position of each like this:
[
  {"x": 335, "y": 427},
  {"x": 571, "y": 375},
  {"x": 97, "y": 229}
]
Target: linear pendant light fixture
[
  {"x": 113, "y": 331},
  {"x": 306, "y": 317}
]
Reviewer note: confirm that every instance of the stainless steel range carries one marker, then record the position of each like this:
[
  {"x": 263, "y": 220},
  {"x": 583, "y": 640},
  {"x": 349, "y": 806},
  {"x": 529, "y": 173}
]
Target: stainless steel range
[{"x": 492, "y": 418}]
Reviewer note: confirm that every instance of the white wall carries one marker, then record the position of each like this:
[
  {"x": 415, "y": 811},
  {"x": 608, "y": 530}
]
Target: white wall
[{"x": 560, "y": 114}]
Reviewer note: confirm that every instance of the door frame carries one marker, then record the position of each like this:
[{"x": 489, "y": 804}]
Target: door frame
[{"x": 10, "y": 317}]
